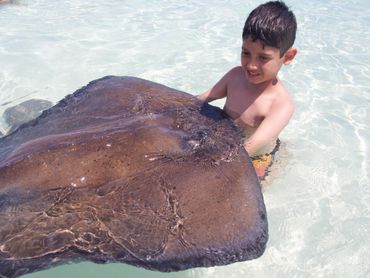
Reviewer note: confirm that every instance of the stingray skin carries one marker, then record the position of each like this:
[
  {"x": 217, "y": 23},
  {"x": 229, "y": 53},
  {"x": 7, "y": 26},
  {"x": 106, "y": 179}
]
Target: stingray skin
[{"x": 127, "y": 170}]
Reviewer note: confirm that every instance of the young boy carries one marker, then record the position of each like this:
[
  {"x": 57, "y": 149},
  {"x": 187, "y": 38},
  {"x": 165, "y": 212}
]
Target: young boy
[{"x": 255, "y": 97}]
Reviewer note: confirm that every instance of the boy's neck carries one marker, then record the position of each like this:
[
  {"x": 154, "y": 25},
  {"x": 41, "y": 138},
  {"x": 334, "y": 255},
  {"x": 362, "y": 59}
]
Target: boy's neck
[{"x": 261, "y": 87}]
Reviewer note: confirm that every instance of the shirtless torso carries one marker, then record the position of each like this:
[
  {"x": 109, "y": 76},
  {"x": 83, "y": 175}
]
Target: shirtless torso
[{"x": 260, "y": 111}]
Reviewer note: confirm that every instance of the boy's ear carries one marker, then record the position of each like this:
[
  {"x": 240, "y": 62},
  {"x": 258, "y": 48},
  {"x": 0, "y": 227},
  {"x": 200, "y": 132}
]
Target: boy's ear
[{"x": 289, "y": 55}]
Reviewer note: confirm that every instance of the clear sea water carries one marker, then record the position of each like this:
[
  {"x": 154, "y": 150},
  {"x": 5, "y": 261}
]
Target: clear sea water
[{"x": 318, "y": 199}]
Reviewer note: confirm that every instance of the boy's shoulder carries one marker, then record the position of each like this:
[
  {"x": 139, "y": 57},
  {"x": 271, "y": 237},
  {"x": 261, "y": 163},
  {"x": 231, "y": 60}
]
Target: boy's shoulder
[
  {"x": 235, "y": 74},
  {"x": 281, "y": 98},
  {"x": 236, "y": 71}
]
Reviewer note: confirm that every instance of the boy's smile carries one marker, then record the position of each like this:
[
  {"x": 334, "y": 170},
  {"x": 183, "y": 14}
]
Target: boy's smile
[{"x": 260, "y": 62}]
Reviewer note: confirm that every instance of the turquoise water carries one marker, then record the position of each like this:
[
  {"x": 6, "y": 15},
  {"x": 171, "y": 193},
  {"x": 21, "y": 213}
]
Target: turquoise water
[{"x": 318, "y": 198}]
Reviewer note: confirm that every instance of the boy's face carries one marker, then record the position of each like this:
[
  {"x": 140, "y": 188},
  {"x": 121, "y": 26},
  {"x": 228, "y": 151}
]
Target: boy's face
[{"x": 261, "y": 63}]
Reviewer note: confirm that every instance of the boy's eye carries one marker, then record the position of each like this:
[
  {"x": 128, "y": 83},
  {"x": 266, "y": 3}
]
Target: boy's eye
[
  {"x": 245, "y": 53},
  {"x": 264, "y": 58}
]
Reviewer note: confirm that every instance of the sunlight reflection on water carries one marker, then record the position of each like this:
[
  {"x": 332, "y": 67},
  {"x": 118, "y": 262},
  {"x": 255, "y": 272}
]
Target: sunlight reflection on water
[{"x": 318, "y": 201}]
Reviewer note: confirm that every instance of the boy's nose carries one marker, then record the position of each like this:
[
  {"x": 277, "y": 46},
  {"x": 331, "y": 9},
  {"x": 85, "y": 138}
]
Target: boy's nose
[{"x": 251, "y": 65}]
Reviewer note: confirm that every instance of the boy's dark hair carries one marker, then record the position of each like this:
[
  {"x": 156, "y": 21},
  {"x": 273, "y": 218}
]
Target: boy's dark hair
[{"x": 272, "y": 23}]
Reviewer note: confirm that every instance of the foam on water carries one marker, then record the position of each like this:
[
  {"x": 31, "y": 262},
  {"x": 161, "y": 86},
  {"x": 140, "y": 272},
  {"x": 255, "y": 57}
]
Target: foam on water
[{"x": 318, "y": 201}]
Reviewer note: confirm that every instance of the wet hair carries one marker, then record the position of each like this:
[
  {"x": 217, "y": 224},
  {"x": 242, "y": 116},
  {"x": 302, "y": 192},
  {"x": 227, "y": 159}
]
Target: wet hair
[{"x": 273, "y": 24}]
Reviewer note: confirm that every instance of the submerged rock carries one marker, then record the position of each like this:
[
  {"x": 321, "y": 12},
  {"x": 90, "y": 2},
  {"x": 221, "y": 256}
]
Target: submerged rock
[{"x": 24, "y": 112}]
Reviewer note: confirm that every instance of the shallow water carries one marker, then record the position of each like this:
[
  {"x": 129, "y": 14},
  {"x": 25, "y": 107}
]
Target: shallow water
[{"x": 318, "y": 198}]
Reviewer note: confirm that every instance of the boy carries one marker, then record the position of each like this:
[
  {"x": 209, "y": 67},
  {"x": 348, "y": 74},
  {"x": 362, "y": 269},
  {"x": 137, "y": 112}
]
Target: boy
[{"x": 255, "y": 98}]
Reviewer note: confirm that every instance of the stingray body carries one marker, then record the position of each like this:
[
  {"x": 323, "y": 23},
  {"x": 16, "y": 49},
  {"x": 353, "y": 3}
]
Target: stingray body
[{"x": 132, "y": 171}]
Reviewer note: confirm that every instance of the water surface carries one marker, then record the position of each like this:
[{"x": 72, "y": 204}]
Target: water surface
[{"x": 318, "y": 198}]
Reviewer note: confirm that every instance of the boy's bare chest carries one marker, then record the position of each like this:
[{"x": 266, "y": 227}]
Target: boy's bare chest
[{"x": 247, "y": 107}]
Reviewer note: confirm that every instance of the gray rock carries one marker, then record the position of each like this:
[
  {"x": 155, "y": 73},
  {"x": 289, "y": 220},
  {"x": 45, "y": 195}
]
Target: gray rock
[{"x": 24, "y": 112}]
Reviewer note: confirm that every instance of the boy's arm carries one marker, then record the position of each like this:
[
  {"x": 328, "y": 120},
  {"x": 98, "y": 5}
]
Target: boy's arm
[
  {"x": 271, "y": 126},
  {"x": 219, "y": 90}
]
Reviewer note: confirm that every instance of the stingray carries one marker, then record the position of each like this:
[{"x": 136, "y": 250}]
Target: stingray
[{"x": 127, "y": 170}]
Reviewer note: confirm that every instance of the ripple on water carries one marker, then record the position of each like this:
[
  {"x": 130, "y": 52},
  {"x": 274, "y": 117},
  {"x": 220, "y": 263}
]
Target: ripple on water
[{"x": 318, "y": 201}]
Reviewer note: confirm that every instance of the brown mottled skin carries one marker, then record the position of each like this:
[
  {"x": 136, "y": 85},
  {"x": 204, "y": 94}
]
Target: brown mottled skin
[{"x": 128, "y": 170}]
